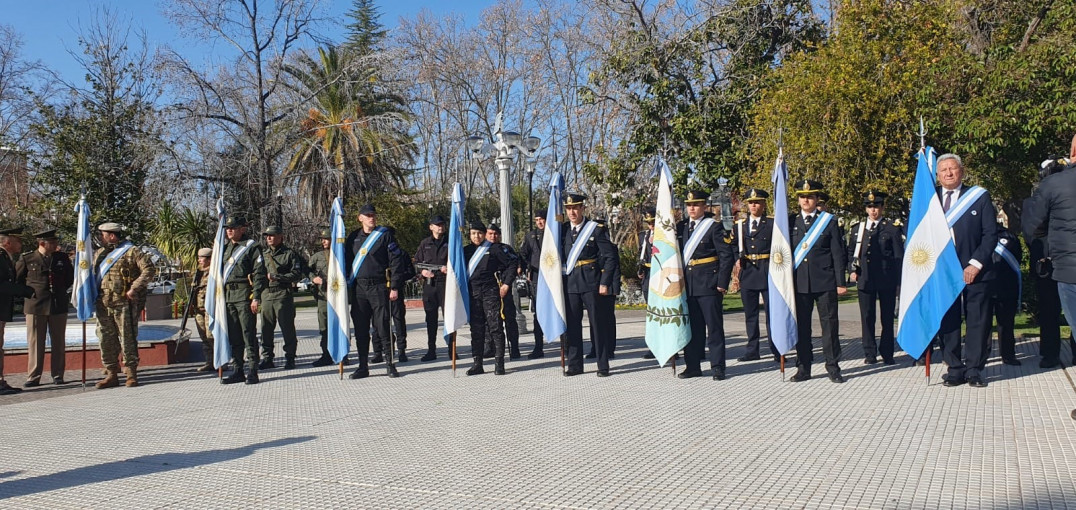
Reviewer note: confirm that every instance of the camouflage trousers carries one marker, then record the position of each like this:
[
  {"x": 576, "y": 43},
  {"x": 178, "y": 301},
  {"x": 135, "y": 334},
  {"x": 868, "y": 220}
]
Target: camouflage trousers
[
  {"x": 202, "y": 325},
  {"x": 118, "y": 330}
]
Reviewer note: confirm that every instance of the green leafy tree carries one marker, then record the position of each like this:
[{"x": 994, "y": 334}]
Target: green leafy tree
[{"x": 365, "y": 31}]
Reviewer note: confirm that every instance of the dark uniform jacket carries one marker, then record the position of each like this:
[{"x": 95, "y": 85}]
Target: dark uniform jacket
[
  {"x": 319, "y": 266},
  {"x": 754, "y": 259},
  {"x": 530, "y": 252},
  {"x": 1051, "y": 212},
  {"x": 9, "y": 288},
  {"x": 499, "y": 262},
  {"x": 435, "y": 252},
  {"x": 823, "y": 269},
  {"x": 598, "y": 263},
  {"x": 287, "y": 268},
  {"x": 646, "y": 251},
  {"x": 704, "y": 278},
  {"x": 1005, "y": 278},
  {"x": 881, "y": 254},
  {"x": 384, "y": 255},
  {"x": 976, "y": 233},
  {"x": 50, "y": 280},
  {"x": 247, "y": 280}
]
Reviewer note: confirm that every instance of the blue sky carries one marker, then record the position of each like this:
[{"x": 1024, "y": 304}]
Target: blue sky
[{"x": 49, "y": 28}]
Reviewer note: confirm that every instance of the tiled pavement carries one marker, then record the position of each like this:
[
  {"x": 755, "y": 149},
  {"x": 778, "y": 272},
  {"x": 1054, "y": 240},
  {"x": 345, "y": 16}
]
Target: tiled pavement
[{"x": 535, "y": 439}]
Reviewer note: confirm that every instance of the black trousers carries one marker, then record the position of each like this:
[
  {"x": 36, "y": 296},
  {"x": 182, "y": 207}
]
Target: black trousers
[
  {"x": 397, "y": 327},
  {"x": 973, "y": 307},
  {"x": 486, "y": 319},
  {"x": 507, "y": 314},
  {"x": 370, "y": 306},
  {"x": 433, "y": 297},
  {"x": 868, "y": 303},
  {"x": 539, "y": 337},
  {"x": 576, "y": 303},
  {"x": 827, "y": 315},
  {"x": 707, "y": 332},
  {"x": 1049, "y": 318},
  {"x": 751, "y": 313},
  {"x": 1003, "y": 305}
]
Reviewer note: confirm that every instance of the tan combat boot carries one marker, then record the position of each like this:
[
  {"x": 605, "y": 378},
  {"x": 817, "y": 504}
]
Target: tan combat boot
[
  {"x": 132, "y": 376},
  {"x": 111, "y": 380}
]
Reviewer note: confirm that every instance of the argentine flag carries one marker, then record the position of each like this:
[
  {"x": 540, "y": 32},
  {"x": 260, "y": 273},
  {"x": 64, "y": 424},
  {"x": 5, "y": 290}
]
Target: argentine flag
[
  {"x": 457, "y": 292},
  {"x": 549, "y": 296},
  {"x": 215, "y": 308},
  {"x": 339, "y": 324},
  {"x": 84, "y": 292},
  {"x": 781, "y": 310},
  {"x": 668, "y": 329},
  {"x": 931, "y": 276}
]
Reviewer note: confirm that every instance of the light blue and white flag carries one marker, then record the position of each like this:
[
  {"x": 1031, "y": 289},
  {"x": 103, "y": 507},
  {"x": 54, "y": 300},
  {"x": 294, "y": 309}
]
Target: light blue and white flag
[
  {"x": 549, "y": 295},
  {"x": 781, "y": 310},
  {"x": 931, "y": 276},
  {"x": 215, "y": 307},
  {"x": 668, "y": 329},
  {"x": 457, "y": 291},
  {"x": 336, "y": 289},
  {"x": 84, "y": 292}
]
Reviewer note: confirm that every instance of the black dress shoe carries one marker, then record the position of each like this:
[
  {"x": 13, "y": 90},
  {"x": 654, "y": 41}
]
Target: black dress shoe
[
  {"x": 719, "y": 375},
  {"x": 252, "y": 377},
  {"x": 592, "y": 355},
  {"x": 1011, "y": 361},
  {"x": 800, "y": 376},
  {"x": 429, "y": 356},
  {"x": 976, "y": 382},
  {"x": 603, "y": 373},
  {"x": 749, "y": 357},
  {"x": 1073, "y": 414},
  {"x": 323, "y": 361},
  {"x": 31, "y": 384},
  {"x": 688, "y": 374},
  {"x": 648, "y": 355},
  {"x": 889, "y": 361},
  {"x": 837, "y": 378},
  {"x": 536, "y": 355},
  {"x": 7, "y": 390},
  {"x": 360, "y": 373},
  {"x": 289, "y": 364},
  {"x": 870, "y": 360},
  {"x": 1049, "y": 363},
  {"x": 235, "y": 377},
  {"x": 266, "y": 364},
  {"x": 475, "y": 370},
  {"x": 377, "y": 358},
  {"x": 952, "y": 383},
  {"x": 573, "y": 371},
  {"x": 391, "y": 371}
]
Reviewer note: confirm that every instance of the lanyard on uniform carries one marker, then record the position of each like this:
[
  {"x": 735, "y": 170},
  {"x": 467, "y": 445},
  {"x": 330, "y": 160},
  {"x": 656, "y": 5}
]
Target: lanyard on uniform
[
  {"x": 112, "y": 258},
  {"x": 577, "y": 248},
  {"x": 479, "y": 253},
  {"x": 363, "y": 251},
  {"x": 236, "y": 255},
  {"x": 812, "y": 236}
]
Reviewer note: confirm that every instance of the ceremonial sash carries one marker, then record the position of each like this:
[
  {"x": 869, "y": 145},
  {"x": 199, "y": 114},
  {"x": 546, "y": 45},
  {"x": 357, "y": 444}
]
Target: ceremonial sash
[
  {"x": 642, "y": 249},
  {"x": 112, "y": 258},
  {"x": 811, "y": 237},
  {"x": 740, "y": 237},
  {"x": 236, "y": 255},
  {"x": 577, "y": 248},
  {"x": 360, "y": 257},
  {"x": 963, "y": 203},
  {"x": 1010, "y": 259},
  {"x": 479, "y": 254},
  {"x": 859, "y": 237},
  {"x": 701, "y": 229}
]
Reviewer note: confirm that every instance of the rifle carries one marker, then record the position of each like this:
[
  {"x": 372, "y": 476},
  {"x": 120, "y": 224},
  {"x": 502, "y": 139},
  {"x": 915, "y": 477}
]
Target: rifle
[
  {"x": 436, "y": 268},
  {"x": 184, "y": 335}
]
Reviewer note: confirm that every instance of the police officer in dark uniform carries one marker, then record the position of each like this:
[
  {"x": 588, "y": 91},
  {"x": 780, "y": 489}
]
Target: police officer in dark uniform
[
  {"x": 708, "y": 253},
  {"x": 646, "y": 249},
  {"x": 508, "y": 304},
  {"x": 379, "y": 279},
  {"x": 875, "y": 254},
  {"x": 530, "y": 254},
  {"x": 751, "y": 240},
  {"x": 433, "y": 251},
  {"x": 818, "y": 279},
  {"x": 489, "y": 267},
  {"x": 284, "y": 268},
  {"x": 1005, "y": 290},
  {"x": 592, "y": 265},
  {"x": 243, "y": 289}
]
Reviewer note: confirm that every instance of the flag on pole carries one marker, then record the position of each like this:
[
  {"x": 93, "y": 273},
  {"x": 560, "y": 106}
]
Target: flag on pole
[
  {"x": 549, "y": 296},
  {"x": 215, "y": 307},
  {"x": 781, "y": 311},
  {"x": 336, "y": 289},
  {"x": 931, "y": 275},
  {"x": 84, "y": 292},
  {"x": 457, "y": 293},
  {"x": 668, "y": 329}
]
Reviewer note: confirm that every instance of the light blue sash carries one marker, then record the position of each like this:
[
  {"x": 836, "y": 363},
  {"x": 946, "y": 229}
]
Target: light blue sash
[
  {"x": 360, "y": 257},
  {"x": 479, "y": 254},
  {"x": 577, "y": 248},
  {"x": 112, "y": 258},
  {"x": 1014, "y": 264},
  {"x": 701, "y": 228},
  {"x": 812, "y": 236},
  {"x": 957, "y": 210},
  {"x": 236, "y": 255}
]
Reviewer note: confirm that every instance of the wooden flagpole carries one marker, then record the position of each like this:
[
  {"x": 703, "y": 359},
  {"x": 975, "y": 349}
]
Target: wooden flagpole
[{"x": 83, "y": 355}]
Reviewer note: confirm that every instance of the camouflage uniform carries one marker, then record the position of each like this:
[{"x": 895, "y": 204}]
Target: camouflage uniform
[
  {"x": 117, "y": 315},
  {"x": 200, "y": 320},
  {"x": 278, "y": 306}
]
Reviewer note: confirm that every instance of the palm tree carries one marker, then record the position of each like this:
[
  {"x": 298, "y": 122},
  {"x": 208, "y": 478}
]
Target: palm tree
[{"x": 353, "y": 139}]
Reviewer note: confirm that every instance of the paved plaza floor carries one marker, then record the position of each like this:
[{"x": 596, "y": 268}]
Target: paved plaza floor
[{"x": 535, "y": 439}]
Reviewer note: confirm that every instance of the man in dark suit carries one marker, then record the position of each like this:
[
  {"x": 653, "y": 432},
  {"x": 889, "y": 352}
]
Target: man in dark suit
[
  {"x": 973, "y": 221},
  {"x": 751, "y": 239},
  {"x": 591, "y": 264},
  {"x": 49, "y": 273},
  {"x": 819, "y": 260},
  {"x": 646, "y": 248},
  {"x": 875, "y": 254},
  {"x": 1005, "y": 290},
  {"x": 10, "y": 246},
  {"x": 708, "y": 258}
]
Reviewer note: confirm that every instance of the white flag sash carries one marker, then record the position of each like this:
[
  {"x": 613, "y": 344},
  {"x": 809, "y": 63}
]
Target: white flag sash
[
  {"x": 112, "y": 258},
  {"x": 577, "y": 248},
  {"x": 963, "y": 203},
  {"x": 479, "y": 254},
  {"x": 859, "y": 237},
  {"x": 701, "y": 228},
  {"x": 812, "y": 236},
  {"x": 236, "y": 255},
  {"x": 360, "y": 257},
  {"x": 739, "y": 238}
]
